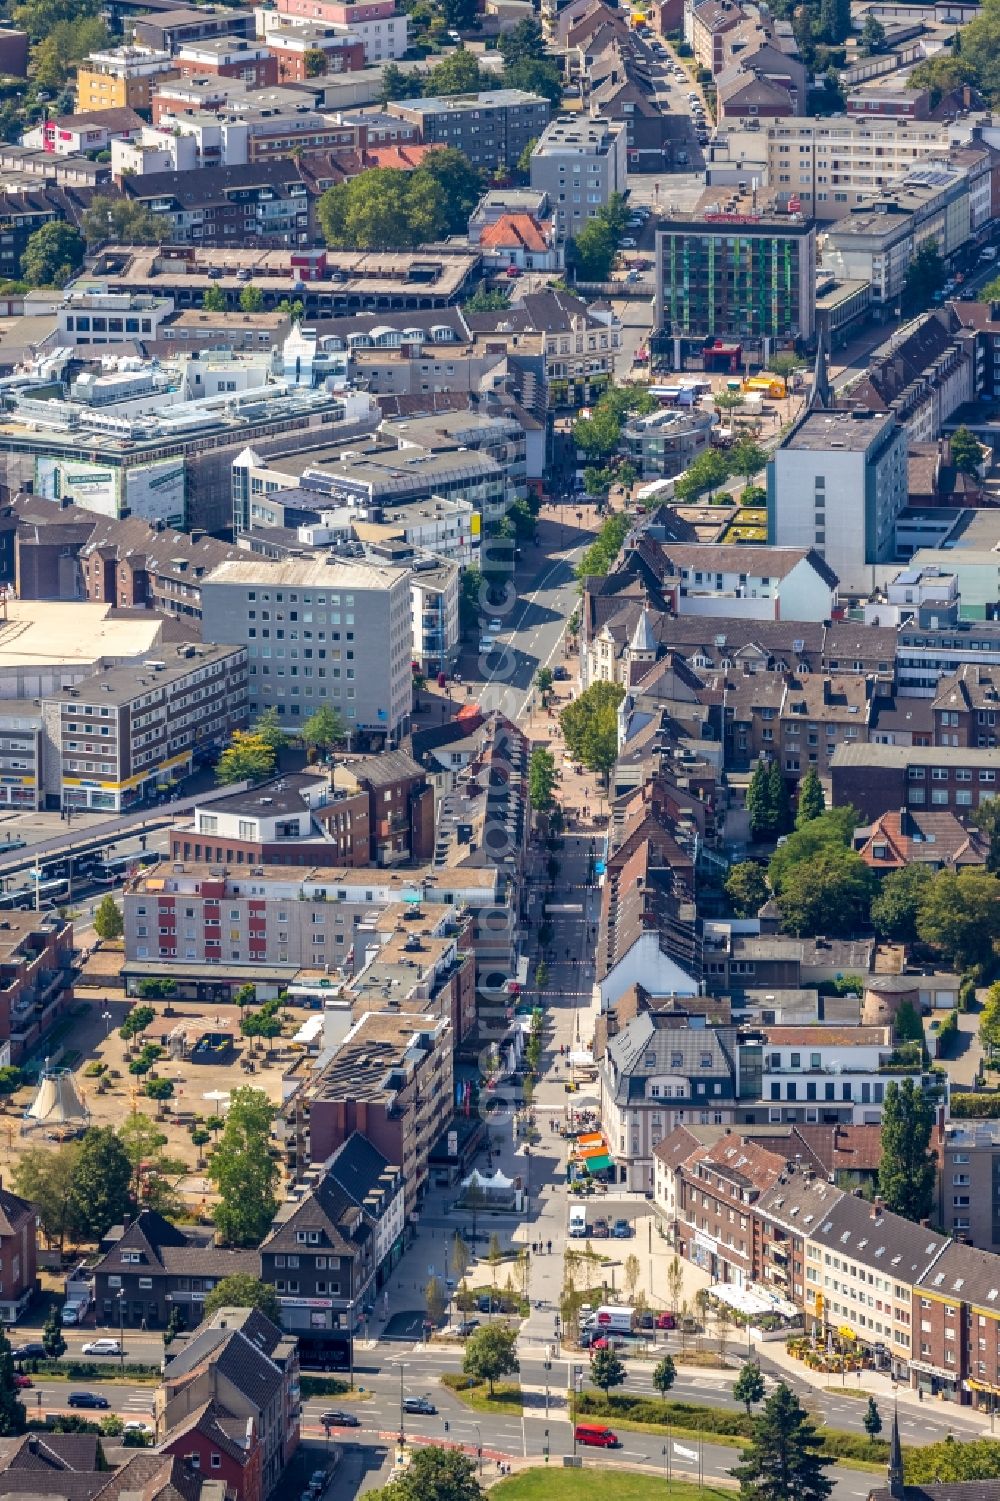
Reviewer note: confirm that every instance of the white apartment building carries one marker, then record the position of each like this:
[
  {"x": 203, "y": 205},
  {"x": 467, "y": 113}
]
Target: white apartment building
[
  {"x": 837, "y": 483},
  {"x": 833, "y": 164},
  {"x": 579, "y": 163},
  {"x": 825, "y": 1074}
]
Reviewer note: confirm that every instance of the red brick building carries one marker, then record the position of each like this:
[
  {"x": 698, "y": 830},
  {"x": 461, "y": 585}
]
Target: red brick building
[
  {"x": 18, "y": 1255},
  {"x": 222, "y": 1447}
]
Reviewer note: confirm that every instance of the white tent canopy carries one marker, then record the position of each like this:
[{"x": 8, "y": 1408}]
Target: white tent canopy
[
  {"x": 498, "y": 1181},
  {"x": 57, "y": 1102}
]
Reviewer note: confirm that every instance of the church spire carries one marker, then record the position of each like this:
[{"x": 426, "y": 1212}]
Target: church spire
[
  {"x": 897, "y": 1489},
  {"x": 821, "y": 393}
]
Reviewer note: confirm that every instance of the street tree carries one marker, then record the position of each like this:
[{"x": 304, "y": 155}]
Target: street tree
[
  {"x": 872, "y": 1420},
  {"x": 782, "y": 1461},
  {"x": 247, "y": 758},
  {"x": 541, "y": 779},
  {"x": 987, "y": 820},
  {"x": 633, "y": 1271},
  {"x": 705, "y": 473},
  {"x": 251, "y": 299},
  {"x": 102, "y": 1182},
  {"x": 907, "y": 1168},
  {"x": 12, "y": 1415},
  {"x": 267, "y": 727},
  {"x": 543, "y": 682},
  {"x": 777, "y": 791},
  {"x": 214, "y": 301},
  {"x": 436, "y": 1301},
  {"x": 11, "y": 1079},
  {"x": 606, "y": 1370},
  {"x": 52, "y": 1335},
  {"x": 664, "y": 1375},
  {"x": 590, "y": 727},
  {"x": 748, "y": 1387},
  {"x": 925, "y": 275},
  {"x": 490, "y": 1353},
  {"x": 746, "y": 457},
  {"x": 159, "y": 1089},
  {"x": 108, "y": 922},
  {"x": 675, "y": 1282},
  {"x": 760, "y": 808},
  {"x": 47, "y": 1178},
  {"x": 811, "y": 801},
  {"x": 240, "y": 1290},
  {"x": 324, "y": 729},
  {"x": 435, "y": 1474},
  {"x": 459, "y": 1259},
  {"x": 457, "y": 74},
  {"x": 873, "y": 35},
  {"x": 244, "y": 1171}
]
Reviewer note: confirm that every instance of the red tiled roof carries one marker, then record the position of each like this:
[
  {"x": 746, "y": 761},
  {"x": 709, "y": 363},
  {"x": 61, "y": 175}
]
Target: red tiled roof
[
  {"x": 405, "y": 158},
  {"x": 516, "y": 231}
]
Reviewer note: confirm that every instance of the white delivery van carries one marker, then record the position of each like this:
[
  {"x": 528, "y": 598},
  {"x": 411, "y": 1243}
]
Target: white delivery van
[{"x": 577, "y": 1220}]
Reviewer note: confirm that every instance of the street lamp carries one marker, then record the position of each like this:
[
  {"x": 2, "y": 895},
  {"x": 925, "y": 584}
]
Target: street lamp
[
  {"x": 479, "y": 1436},
  {"x": 106, "y": 1018},
  {"x": 402, "y": 1423},
  {"x": 121, "y": 1329}
]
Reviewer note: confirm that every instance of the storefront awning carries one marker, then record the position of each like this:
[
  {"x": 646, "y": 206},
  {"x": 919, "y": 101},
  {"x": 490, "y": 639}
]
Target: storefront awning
[{"x": 597, "y": 1164}]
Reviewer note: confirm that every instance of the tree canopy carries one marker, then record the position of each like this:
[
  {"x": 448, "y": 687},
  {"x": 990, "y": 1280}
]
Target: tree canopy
[
  {"x": 896, "y": 904},
  {"x": 967, "y": 453},
  {"x": 491, "y": 1352},
  {"x": 747, "y": 889},
  {"x": 386, "y": 208},
  {"x": 599, "y": 557},
  {"x": 782, "y": 1461},
  {"x": 121, "y": 219},
  {"x": 243, "y": 1291},
  {"x": 435, "y": 1474},
  {"x": 244, "y": 1171},
  {"x": 907, "y": 1168},
  {"x": 960, "y": 916},
  {"x": 247, "y": 758},
  {"x": 52, "y": 255},
  {"x": 590, "y": 726}
]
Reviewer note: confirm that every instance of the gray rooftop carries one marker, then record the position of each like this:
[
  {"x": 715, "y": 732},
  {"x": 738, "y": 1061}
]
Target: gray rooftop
[{"x": 819, "y": 431}]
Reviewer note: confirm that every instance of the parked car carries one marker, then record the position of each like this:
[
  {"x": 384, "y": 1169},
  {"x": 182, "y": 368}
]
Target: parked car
[
  {"x": 628, "y": 243},
  {"x": 86, "y": 1399},
  {"x": 419, "y": 1404},
  {"x": 136, "y": 1425},
  {"x": 33, "y": 1350},
  {"x": 666, "y": 1321},
  {"x": 646, "y": 1321},
  {"x": 467, "y": 1327},
  {"x": 601, "y": 1231},
  {"x": 622, "y": 1230},
  {"x": 560, "y": 674},
  {"x": 102, "y": 1347},
  {"x": 22, "y": 1382},
  {"x": 338, "y": 1419}
]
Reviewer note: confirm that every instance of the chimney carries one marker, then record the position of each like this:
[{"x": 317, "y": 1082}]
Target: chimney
[{"x": 876, "y": 1210}]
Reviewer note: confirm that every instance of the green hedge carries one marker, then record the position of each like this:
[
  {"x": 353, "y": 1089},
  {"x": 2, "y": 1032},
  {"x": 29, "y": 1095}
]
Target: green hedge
[
  {"x": 719, "y": 1420},
  {"x": 323, "y": 1386},
  {"x": 975, "y": 1106},
  {"x": 91, "y": 1370}
]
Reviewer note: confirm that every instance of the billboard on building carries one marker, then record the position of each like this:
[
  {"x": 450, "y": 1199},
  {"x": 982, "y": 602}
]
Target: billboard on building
[{"x": 93, "y": 486}]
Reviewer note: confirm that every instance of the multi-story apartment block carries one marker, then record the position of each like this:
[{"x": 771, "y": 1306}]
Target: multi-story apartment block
[
  {"x": 837, "y": 483},
  {"x": 118, "y": 736},
  {"x": 319, "y": 1255},
  {"x": 319, "y": 633},
  {"x": 21, "y": 726},
  {"x": 656, "y": 1072},
  {"x": 737, "y": 272},
  {"x": 303, "y": 818},
  {"x": 426, "y": 965},
  {"x": 579, "y": 162},
  {"x": 229, "y": 57},
  {"x": 121, "y": 78},
  {"x": 213, "y": 930},
  {"x": 836, "y": 163},
  {"x": 491, "y": 128},
  {"x": 289, "y": 44},
  {"x": 967, "y": 706},
  {"x": 169, "y": 30},
  {"x": 878, "y": 778},
  {"x": 841, "y": 1072},
  {"x": 37, "y": 972},
  {"x": 391, "y": 1078},
  {"x": 382, "y": 29},
  {"x": 968, "y": 1183}
]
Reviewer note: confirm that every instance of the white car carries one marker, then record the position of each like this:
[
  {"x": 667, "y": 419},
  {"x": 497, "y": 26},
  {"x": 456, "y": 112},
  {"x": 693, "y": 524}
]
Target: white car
[
  {"x": 628, "y": 243},
  {"x": 103, "y": 1347},
  {"x": 135, "y": 1425}
]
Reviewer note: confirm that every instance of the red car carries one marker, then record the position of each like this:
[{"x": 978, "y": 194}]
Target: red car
[
  {"x": 666, "y": 1321},
  {"x": 22, "y": 1382},
  {"x": 514, "y": 271}
]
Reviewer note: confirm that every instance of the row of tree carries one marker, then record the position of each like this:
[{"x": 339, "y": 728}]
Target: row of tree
[
  {"x": 525, "y": 66},
  {"x": 386, "y": 208},
  {"x": 82, "y": 1188},
  {"x": 252, "y": 755}
]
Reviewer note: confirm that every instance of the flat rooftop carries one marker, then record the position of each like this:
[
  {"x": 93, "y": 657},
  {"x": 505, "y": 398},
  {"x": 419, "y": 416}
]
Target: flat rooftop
[
  {"x": 431, "y": 268},
  {"x": 459, "y": 103},
  {"x": 119, "y": 685},
  {"x": 852, "y": 430},
  {"x": 305, "y": 573},
  {"x": 54, "y": 633}
]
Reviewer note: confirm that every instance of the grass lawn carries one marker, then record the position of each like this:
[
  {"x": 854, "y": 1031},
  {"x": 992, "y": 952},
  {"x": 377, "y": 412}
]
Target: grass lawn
[
  {"x": 476, "y": 1394},
  {"x": 548, "y": 1484}
]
